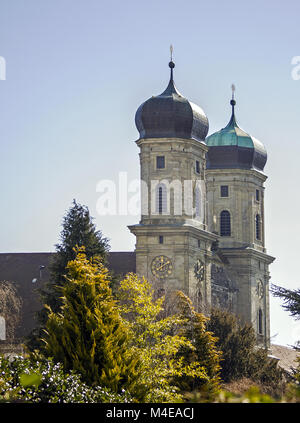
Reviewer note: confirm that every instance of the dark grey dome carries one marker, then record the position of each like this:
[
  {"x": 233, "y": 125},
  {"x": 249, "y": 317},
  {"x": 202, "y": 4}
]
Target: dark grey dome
[{"x": 170, "y": 115}]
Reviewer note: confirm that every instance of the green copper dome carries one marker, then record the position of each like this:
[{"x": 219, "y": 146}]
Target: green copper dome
[
  {"x": 231, "y": 147},
  {"x": 230, "y": 135}
]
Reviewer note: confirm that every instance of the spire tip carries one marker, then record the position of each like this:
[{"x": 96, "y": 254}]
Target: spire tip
[
  {"x": 171, "y": 53},
  {"x": 232, "y": 101},
  {"x": 171, "y": 63}
]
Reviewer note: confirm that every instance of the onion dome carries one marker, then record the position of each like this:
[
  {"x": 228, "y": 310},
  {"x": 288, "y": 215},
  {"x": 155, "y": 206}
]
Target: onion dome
[
  {"x": 231, "y": 147},
  {"x": 170, "y": 115}
]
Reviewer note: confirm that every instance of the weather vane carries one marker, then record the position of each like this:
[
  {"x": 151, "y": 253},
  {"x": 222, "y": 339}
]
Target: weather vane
[
  {"x": 233, "y": 90},
  {"x": 171, "y": 52}
]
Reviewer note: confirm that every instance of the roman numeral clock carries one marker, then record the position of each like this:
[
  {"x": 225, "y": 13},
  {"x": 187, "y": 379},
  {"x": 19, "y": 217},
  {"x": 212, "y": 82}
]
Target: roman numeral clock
[{"x": 161, "y": 267}]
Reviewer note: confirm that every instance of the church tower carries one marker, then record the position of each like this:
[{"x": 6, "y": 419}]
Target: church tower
[
  {"x": 173, "y": 244},
  {"x": 235, "y": 192},
  {"x": 202, "y": 223}
]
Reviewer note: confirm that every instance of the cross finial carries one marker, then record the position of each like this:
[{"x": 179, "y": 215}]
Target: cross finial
[
  {"x": 171, "y": 63},
  {"x": 232, "y": 101}
]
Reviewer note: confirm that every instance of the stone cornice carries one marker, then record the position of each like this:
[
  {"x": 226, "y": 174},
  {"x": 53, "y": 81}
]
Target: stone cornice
[
  {"x": 247, "y": 252},
  {"x": 235, "y": 172},
  {"x": 171, "y": 230},
  {"x": 194, "y": 143}
]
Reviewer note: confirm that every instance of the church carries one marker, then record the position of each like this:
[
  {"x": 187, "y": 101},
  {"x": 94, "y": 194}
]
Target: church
[
  {"x": 202, "y": 224},
  {"x": 202, "y": 221}
]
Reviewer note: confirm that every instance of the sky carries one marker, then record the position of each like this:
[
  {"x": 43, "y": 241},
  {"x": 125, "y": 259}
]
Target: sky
[{"x": 76, "y": 72}]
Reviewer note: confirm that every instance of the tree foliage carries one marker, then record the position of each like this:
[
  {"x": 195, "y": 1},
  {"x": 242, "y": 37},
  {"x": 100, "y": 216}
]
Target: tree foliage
[
  {"x": 291, "y": 303},
  {"x": 158, "y": 340},
  {"x": 236, "y": 343},
  {"x": 291, "y": 299},
  {"x": 240, "y": 356},
  {"x": 78, "y": 230},
  {"x": 204, "y": 348},
  {"x": 43, "y": 381},
  {"x": 88, "y": 335}
]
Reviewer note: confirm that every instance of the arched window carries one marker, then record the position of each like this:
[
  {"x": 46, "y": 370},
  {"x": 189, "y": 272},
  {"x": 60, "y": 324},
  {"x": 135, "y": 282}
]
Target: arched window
[
  {"x": 260, "y": 321},
  {"x": 225, "y": 223},
  {"x": 258, "y": 226},
  {"x": 161, "y": 199},
  {"x": 2, "y": 329}
]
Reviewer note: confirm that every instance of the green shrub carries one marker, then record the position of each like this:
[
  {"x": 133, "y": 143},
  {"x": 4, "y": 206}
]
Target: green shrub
[
  {"x": 236, "y": 343},
  {"x": 240, "y": 356},
  {"x": 175, "y": 349},
  {"x": 47, "y": 382},
  {"x": 252, "y": 395},
  {"x": 88, "y": 334},
  {"x": 203, "y": 349}
]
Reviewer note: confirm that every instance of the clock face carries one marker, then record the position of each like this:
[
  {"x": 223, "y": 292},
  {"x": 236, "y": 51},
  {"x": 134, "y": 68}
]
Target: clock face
[
  {"x": 161, "y": 266},
  {"x": 199, "y": 270}
]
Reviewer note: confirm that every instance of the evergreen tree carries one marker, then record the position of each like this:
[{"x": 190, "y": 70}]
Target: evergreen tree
[
  {"x": 291, "y": 299},
  {"x": 291, "y": 303},
  {"x": 204, "y": 349},
  {"x": 88, "y": 335},
  {"x": 236, "y": 343},
  {"x": 240, "y": 356},
  {"x": 78, "y": 230}
]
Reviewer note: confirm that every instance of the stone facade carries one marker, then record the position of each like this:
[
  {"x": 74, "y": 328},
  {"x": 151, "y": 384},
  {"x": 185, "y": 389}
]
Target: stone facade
[
  {"x": 216, "y": 264},
  {"x": 177, "y": 233},
  {"x": 241, "y": 203},
  {"x": 244, "y": 248}
]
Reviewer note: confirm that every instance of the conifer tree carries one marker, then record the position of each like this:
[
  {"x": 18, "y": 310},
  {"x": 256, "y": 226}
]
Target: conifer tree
[
  {"x": 87, "y": 334},
  {"x": 291, "y": 303},
  {"x": 78, "y": 230},
  {"x": 240, "y": 356},
  {"x": 236, "y": 342},
  {"x": 291, "y": 299}
]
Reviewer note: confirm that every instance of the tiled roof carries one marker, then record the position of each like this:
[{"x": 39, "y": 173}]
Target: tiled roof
[
  {"x": 121, "y": 262},
  {"x": 29, "y": 271},
  {"x": 286, "y": 355}
]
